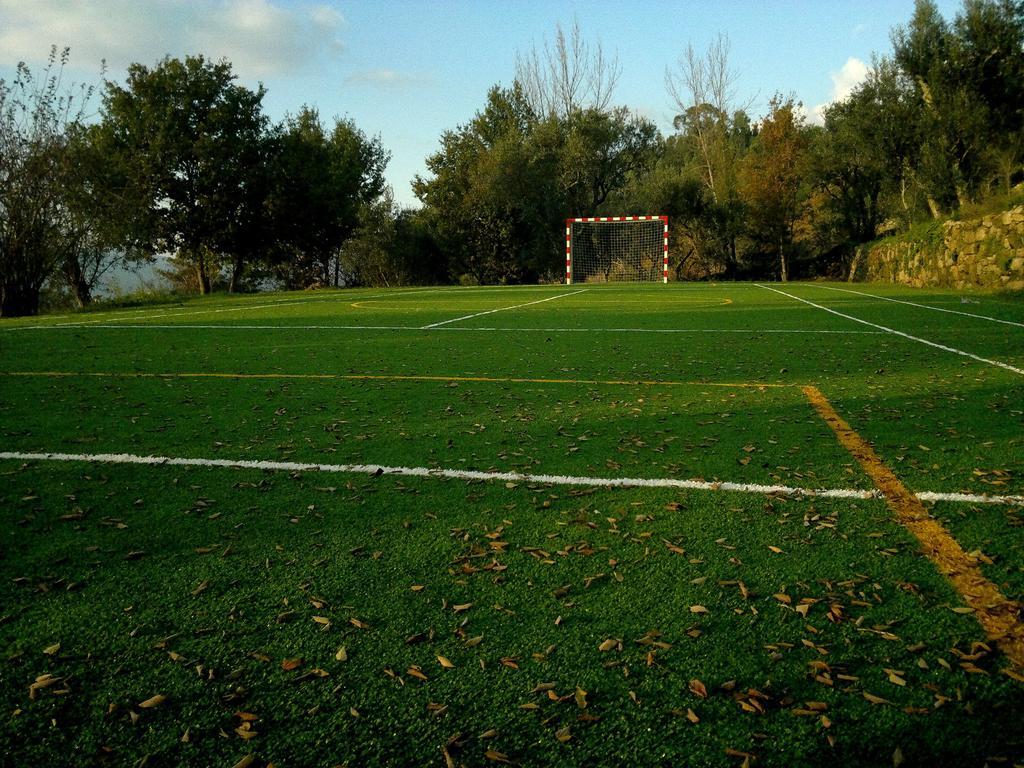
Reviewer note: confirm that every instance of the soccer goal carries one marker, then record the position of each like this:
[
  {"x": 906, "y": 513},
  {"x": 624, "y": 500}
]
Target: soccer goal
[{"x": 607, "y": 249}]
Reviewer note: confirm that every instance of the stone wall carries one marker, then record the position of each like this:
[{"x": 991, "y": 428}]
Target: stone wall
[{"x": 981, "y": 253}]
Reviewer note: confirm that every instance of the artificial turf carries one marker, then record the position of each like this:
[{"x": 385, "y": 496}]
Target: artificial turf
[{"x": 485, "y": 622}]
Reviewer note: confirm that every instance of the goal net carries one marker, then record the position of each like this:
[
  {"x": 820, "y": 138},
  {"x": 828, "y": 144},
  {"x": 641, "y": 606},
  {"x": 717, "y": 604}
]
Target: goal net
[{"x": 606, "y": 249}]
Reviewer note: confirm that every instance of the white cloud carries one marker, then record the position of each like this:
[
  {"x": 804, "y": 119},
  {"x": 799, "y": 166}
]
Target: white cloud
[
  {"x": 261, "y": 38},
  {"x": 844, "y": 82}
]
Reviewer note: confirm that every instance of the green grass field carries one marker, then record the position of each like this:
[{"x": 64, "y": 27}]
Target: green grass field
[{"x": 173, "y": 613}]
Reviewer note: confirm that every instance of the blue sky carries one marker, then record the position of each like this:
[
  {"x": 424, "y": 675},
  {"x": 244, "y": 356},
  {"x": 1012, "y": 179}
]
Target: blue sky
[{"x": 406, "y": 71}]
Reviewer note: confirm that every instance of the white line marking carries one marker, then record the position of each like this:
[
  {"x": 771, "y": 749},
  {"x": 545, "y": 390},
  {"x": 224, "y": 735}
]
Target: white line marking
[
  {"x": 462, "y": 474},
  {"x": 455, "y": 474},
  {"x": 157, "y": 313},
  {"x": 185, "y": 326},
  {"x": 969, "y": 498},
  {"x": 923, "y": 306},
  {"x": 943, "y": 347},
  {"x": 162, "y": 315},
  {"x": 501, "y": 309}
]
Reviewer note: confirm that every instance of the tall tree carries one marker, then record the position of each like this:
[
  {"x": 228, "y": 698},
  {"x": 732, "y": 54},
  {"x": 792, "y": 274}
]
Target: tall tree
[
  {"x": 489, "y": 182},
  {"x": 568, "y": 74},
  {"x": 772, "y": 177},
  {"x": 714, "y": 133},
  {"x": 602, "y": 151},
  {"x": 38, "y": 231},
  {"x": 502, "y": 185},
  {"x": 321, "y": 181},
  {"x": 969, "y": 76},
  {"x": 863, "y": 158},
  {"x": 703, "y": 90},
  {"x": 185, "y": 138}
]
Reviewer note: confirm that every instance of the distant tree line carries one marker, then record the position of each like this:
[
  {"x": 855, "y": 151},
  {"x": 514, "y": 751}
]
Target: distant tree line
[
  {"x": 935, "y": 128},
  {"x": 182, "y": 161}
]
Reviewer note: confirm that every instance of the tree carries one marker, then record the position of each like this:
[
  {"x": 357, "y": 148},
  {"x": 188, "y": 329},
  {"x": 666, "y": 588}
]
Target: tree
[
  {"x": 714, "y": 133},
  {"x": 38, "y": 230},
  {"x": 491, "y": 191},
  {"x": 567, "y": 75},
  {"x": 93, "y": 217},
  {"x": 184, "y": 139},
  {"x": 502, "y": 185},
  {"x": 969, "y": 77},
  {"x": 771, "y": 179},
  {"x": 861, "y": 161},
  {"x": 321, "y": 182},
  {"x": 602, "y": 151},
  {"x": 703, "y": 90},
  {"x": 370, "y": 256}
]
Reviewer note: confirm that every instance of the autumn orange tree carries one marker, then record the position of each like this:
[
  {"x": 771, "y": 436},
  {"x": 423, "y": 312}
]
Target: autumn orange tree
[{"x": 772, "y": 181}]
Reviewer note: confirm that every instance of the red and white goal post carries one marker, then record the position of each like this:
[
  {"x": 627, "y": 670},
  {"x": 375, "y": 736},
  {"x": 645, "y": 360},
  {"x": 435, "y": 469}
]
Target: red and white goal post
[{"x": 605, "y": 249}]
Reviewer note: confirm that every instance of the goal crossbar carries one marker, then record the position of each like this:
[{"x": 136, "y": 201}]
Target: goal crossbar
[{"x": 616, "y": 248}]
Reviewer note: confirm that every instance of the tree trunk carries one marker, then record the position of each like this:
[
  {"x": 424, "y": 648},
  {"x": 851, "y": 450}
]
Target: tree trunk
[
  {"x": 963, "y": 197},
  {"x": 76, "y": 279},
  {"x": 858, "y": 254},
  {"x": 202, "y": 275},
  {"x": 783, "y": 270},
  {"x": 933, "y": 206},
  {"x": 18, "y": 300},
  {"x": 237, "y": 268}
]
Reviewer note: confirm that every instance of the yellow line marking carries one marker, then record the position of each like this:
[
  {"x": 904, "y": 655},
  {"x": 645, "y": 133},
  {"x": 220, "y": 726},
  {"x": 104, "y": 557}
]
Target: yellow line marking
[
  {"x": 390, "y": 377},
  {"x": 998, "y": 615}
]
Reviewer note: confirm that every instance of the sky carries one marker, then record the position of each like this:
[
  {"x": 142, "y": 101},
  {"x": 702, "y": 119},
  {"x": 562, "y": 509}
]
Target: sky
[{"x": 408, "y": 71}]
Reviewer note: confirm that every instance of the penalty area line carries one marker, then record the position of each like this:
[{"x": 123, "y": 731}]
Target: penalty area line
[
  {"x": 517, "y": 477},
  {"x": 501, "y": 309},
  {"x": 922, "y": 306},
  {"x": 894, "y": 332}
]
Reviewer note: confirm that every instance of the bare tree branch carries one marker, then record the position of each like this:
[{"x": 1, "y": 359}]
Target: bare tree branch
[
  {"x": 567, "y": 74},
  {"x": 703, "y": 91}
]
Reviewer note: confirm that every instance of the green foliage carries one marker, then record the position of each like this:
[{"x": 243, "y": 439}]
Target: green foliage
[
  {"x": 969, "y": 77},
  {"x": 185, "y": 148},
  {"x": 391, "y": 247},
  {"x": 184, "y": 162},
  {"x": 771, "y": 180},
  {"x": 994, "y": 204},
  {"x": 42, "y": 226},
  {"x": 501, "y": 186},
  {"x": 321, "y": 181}
]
